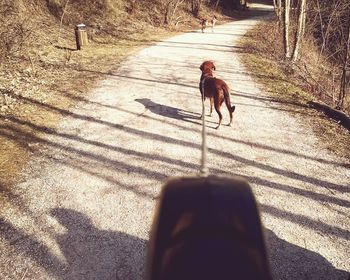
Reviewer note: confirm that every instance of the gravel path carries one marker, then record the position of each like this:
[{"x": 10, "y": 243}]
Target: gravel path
[{"x": 85, "y": 205}]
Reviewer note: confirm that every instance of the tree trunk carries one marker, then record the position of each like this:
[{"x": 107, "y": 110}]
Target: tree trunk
[
  {"x": 286, "y": 28},
  {"x": 277, "y": 4},
  {"x": 61, "y": 21},
  {"x": 217, "y": 4},
  {"x": 231, "y": 4},
  {"x": 244, "y": 4},
  {"x": 196, "y": 6},
  {"x": 326, "y": 27},
  {"x": 342, "y": 93},
  {"x": 300, "y": 31},
  {"x": 170, "y": 10}
]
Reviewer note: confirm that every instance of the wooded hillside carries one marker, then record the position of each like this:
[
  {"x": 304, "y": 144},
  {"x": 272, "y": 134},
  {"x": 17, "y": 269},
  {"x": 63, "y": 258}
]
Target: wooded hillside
[
  {"x": 324, "y": 24},
  {"x": 31, "y": 24}
]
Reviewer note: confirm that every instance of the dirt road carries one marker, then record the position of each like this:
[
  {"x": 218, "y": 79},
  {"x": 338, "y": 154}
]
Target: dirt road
[{"x": 86, "y": 202}]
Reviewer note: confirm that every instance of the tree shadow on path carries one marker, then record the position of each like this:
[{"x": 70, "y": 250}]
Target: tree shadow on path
[
  {"x": 95, "y": 253},
  {"x": 92, "y": 253},
  {"x": 289, "y": 261},
  {"x": 88, "y": 252}
]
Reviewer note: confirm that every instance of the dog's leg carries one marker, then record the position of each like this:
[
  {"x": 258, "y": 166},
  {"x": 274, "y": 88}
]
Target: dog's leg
[
  {"x": 231, "y": 113},
  {"x": 200, "y": 90},
  {"x": 217, "y": 106},
  {"x": 203, "y": 26},
  {"x": 231, "y": 116},
  {"x": 229, "y": 124},
  {"x": 201, "y": 117},
  {"x": 211, "y": 106},
  {"x": 230, "y": 108}
]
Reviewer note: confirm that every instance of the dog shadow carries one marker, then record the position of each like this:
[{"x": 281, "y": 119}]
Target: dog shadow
[
  {"x": 174, "y": 113},
  {"x": 169, "y": 112}
]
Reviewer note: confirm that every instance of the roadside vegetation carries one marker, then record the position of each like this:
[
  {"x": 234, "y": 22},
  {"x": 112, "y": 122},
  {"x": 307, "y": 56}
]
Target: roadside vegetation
[{"x": 313, "y": 76}]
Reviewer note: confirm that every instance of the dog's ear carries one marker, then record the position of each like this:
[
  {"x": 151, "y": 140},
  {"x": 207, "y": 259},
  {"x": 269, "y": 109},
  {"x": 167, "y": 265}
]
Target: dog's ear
[
  {"x": 211, "y": 65},
  {"x": 201, "y": 67}
]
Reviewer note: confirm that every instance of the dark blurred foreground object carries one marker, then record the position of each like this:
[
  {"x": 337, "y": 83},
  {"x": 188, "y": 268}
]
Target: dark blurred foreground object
[{"x": 207, "y": 228}]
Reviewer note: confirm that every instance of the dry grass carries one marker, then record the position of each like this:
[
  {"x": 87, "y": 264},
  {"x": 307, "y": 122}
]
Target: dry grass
[
  {"x": 40, "y": 93},
  {"x": 291, "y": 85}
]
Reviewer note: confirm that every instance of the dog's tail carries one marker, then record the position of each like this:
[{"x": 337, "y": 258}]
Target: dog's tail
[{"x": 227, "y": 99}]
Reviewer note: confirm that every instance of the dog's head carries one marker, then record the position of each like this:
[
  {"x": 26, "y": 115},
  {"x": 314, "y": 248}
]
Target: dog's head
[{"x": 207, "y": 65}]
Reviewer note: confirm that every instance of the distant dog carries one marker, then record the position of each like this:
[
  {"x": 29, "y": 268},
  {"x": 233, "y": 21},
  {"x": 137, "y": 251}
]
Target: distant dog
[
  {"x": 216, "y": 90},
  {"x": 211, "y": 23}
]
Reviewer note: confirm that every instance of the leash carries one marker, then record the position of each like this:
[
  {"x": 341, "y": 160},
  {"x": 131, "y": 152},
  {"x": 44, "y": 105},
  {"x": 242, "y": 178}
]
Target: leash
[
  {"x": 227, "y": 197},
  {"x": 204, "y": 167}
]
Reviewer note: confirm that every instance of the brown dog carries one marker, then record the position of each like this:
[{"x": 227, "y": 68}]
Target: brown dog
[
  {"x": 206, "y": 22},
  {"x": 215, "y": 89},
  {"x": 212, "y": 23}
]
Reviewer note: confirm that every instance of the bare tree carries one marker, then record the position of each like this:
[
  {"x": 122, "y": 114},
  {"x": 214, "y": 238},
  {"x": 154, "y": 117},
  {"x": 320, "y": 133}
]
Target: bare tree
[
  {"x": 231, "y": 4},
  {"x": 170, "y": 9},
  {"x": 217, "y": 4},
  {"x": 61, "y": 21},
  {"x": 15, "y": 31},
  {"x": 328, "y": 17},
  {"x": 196, "y": 6},
  {"x": 343, "y": 82},
  {"x": 277, "y": 4},
  {"x": 286, "y": 28},
  {"x": 300, "y": 30},
  {"x": 244, "y": 4}
]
